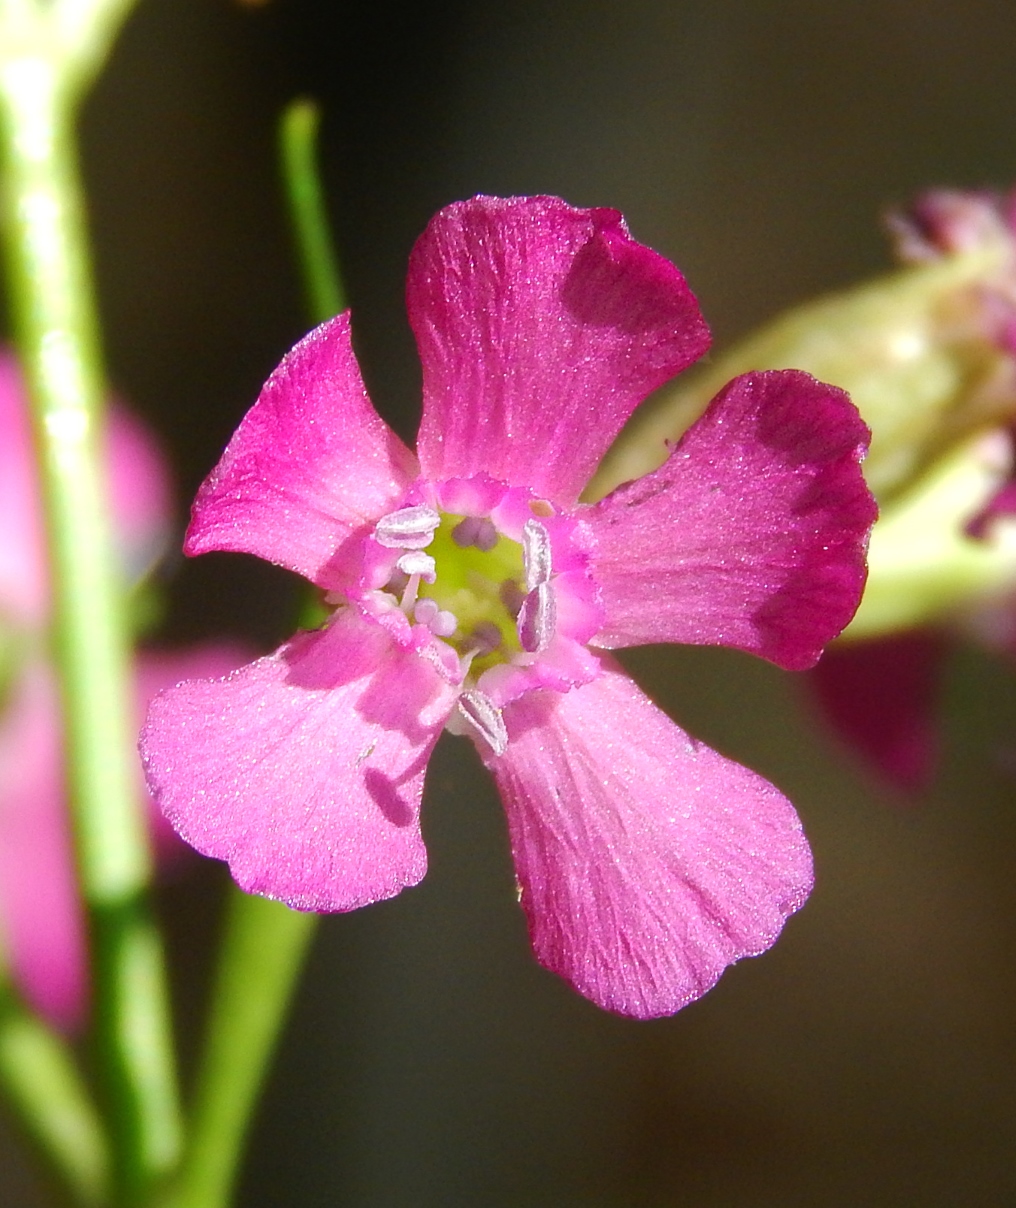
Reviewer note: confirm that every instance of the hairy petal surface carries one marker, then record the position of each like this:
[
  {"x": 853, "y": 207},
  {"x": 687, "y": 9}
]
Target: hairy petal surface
[
  {"x": 752, "y": 534},
  {"x": 304, "y": 770},
  {"x": 156, "y": 670},
  {"x": 882, "y": 697},
  {"x": 540, "y": 328},
  {"x": 648, "y": 862},
  {"x": 310, "y": 465}
]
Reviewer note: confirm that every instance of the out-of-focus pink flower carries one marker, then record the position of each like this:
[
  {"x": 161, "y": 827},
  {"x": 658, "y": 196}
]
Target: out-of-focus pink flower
[
  {"x": 882, "y": 695},
  {"x": 140, "y": 501},
  {"x": 42, "y": 931},
  {"x": 41, "y": 915},
  {"x": 473, "y": 591}
]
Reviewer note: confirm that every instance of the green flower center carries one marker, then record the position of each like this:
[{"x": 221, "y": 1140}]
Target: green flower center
[{"x": 481, "y": 586}]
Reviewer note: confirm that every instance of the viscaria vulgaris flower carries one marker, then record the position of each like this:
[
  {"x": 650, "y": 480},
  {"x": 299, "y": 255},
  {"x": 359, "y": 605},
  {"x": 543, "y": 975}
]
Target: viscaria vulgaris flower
[{"x": 473, "y": 591}]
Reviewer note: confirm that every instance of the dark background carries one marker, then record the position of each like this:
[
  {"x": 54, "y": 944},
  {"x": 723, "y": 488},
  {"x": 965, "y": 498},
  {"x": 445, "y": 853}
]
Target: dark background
[{"x": 870, "y": 1058}]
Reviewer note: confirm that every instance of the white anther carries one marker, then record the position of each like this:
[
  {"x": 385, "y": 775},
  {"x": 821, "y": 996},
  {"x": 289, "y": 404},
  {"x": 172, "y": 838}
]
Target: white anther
[
  {"x": 485, "y": 719},
  {"x": 408, "y": 528},
  {"x": 535, "y": 553},
  {"x": 444, "y": 624},
  {"x": 439, "y": 621},
  {"x": 416, "y": 562},
  {"x": 537, "y": 619}
]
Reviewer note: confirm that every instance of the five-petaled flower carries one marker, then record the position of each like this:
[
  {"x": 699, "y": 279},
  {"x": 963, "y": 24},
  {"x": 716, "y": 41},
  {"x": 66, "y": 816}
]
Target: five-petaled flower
[{"x": 473, "y": 591}]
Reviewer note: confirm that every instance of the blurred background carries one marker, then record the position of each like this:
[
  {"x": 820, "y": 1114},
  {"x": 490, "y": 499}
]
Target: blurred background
[{"x": 870, "y": 1058}]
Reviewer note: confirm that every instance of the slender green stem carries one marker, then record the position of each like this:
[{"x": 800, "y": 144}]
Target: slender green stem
[
  {"x": 262, "y": 953},
  {"x": 44, "y": 232},
  {"x": 298, "y": 130},
  {"x": 41, "y": 1078}
]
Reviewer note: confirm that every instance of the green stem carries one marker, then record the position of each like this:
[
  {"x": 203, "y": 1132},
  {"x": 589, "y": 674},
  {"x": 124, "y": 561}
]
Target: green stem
[
  {"x": 56, "y": 328},
  {"x": 44, "y": 1087},
  {"x": 298, "y": 131},
  {"x": 262, "y": 953}
]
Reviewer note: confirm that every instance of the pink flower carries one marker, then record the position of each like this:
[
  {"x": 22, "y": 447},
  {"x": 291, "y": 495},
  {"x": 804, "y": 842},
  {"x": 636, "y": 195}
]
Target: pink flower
[
  {"x": 42, "y": 929},
  {"x": 473, "y": 591}
]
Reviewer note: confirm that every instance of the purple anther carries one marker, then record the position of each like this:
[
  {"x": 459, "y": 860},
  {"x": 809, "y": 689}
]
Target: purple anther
[
  {"x": 408, "y": 528},
  {"x": 485, "y": 718},
  {"x": 535, "y": 553},
  {"x": 485, "y": 637},
  {"x": 486, "y": 535},
  {"x": 464, "y": 533},
  {"x": 537, "y": 619},
  {"x": 511, "y": 597},
  {"x": 416, "y": 562}
]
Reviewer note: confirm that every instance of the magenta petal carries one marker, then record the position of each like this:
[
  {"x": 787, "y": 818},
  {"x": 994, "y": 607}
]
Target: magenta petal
[
  {"x": 753, "y": 534},
  {"x": 43, "y": 935},
  {"x": 156, "y": 670},
  {"x": 304, "y": 770},
  {"x": 648, "y": 862},
  {"x": 881, "y": 697},
  {"x": 311, "y": 463},
  {"x": 540, "y": 328}
]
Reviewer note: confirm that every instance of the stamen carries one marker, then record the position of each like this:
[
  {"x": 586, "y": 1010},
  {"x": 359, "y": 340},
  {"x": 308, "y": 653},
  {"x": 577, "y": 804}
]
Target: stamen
[
  {"x": 486, "y": 536},
  {"x": 438, "y": 620},
  {"x": 535, "y": 553},
  {"x": 475, "y": 530},
  {"x": 408, "y": 528},
  {"x": 464, "y": 533},
  {"x": 444, "y": 624},
  {"x": 426, "y": 610},
  {"x": 537, "y": 619},
  {"x": 486, "y": 636},
  {"x": 416, "y": 562},
  {"x": 409, "y": 595},
  {"x": 511, "y": 596},
  {"x": 485, "y": 718}
]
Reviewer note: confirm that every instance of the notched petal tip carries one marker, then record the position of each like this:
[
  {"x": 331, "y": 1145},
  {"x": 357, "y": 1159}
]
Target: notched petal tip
[
  {"x": 540, "y": 328},
  {"x": 649, "y": 863},
  {"x": 304, "y": 770},
  {"x": 753, "y": 533}
]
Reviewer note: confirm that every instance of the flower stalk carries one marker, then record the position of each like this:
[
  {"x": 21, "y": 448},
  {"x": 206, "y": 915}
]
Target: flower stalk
[{"x": 48, "y": 54}]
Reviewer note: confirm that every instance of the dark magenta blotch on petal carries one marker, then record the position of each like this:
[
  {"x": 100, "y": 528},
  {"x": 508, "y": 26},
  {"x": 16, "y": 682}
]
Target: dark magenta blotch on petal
[
  {"x": 540, "y": 328},
  {"x": 752, "y": 534}
]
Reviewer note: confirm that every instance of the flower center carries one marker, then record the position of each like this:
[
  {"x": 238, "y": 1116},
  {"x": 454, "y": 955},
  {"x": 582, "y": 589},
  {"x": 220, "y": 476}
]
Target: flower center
[
  {"x": 486, "y": 598},
  {"x": 478, "y": 580},
  {"x": 489, "y": 597}
]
